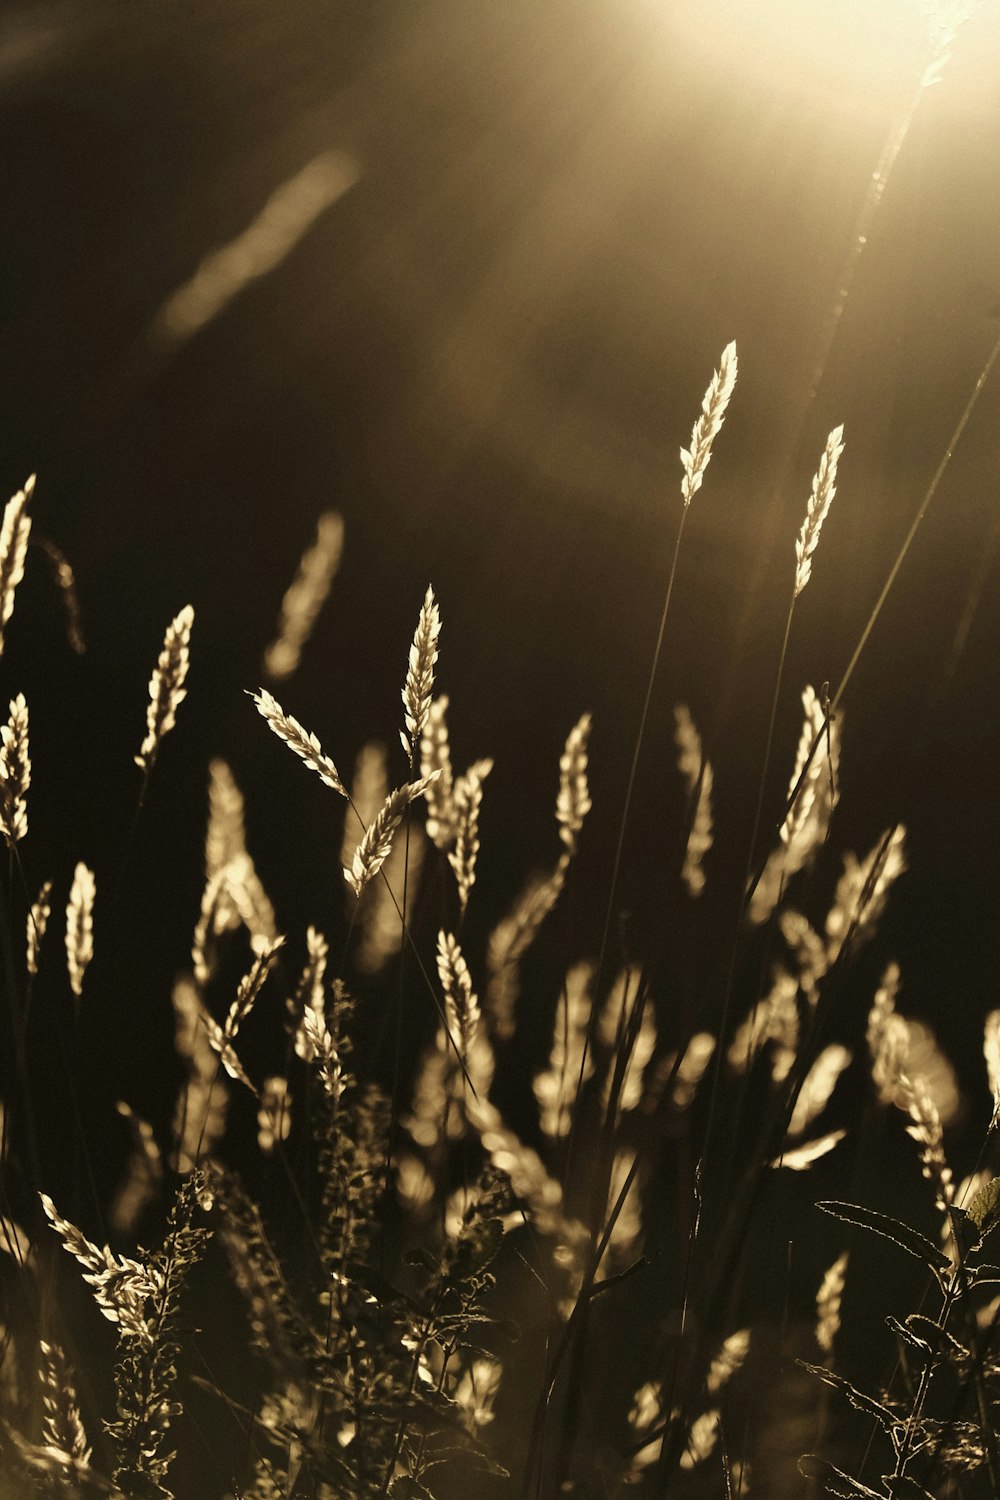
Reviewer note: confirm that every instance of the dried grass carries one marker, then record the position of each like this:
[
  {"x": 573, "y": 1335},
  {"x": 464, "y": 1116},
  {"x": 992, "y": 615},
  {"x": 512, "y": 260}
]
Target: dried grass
[
  {"x": 305, "y": 597},
  {"x": 14, "y": 535},
  {"x": 80, "y": 926},
  {"x": 166, "y": 687},
  {"x": 374, "y": 848},
  {"x": 15, "y": 773},
  {"x": 303, "y": 744},
  {"x": 708, "y": 426},
  {"x": 419, "y": 683},
  {"x": 824, "y": 487}
]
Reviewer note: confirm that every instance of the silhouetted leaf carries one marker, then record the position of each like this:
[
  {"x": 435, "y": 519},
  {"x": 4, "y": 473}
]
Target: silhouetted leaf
[
  {"x": 834, "y": 1480},
  {"x": 908, "y": 1239},
  {"x": 965, "y": 1230},
  {"x": 984, "y": 1207},
  {"x": 858, "y": 1399},
  {"x": 902, "y": 1487},
  {"x": 939, "y": 1339},
  {"x": 908, "y": 1337}
]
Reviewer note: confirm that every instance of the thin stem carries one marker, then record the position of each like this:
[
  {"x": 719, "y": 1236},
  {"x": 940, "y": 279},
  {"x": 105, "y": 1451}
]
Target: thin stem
[
  {"x": 623, "y": 826},
  {"x": 925, "y": 504},
  {"x": 730, "y": 979},
  {"x": 835, "y": 701}
]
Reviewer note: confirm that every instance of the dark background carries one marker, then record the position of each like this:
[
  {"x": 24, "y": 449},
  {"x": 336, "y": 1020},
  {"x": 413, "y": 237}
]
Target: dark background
[{"x": 486, "y": 356}]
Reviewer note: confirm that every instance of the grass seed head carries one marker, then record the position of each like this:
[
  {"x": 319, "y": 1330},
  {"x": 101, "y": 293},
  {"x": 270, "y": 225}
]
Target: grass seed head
[
  {"x": 38, "y": 920},
  {"x": 706, "y": 429},
  {"x": 419, "y": 683},
  {"x": 573, "y": 802},
  {"x": 303, "y": 744},
  {"x": 824, "y": 487},
  {"x": 460, "y": 1004},
  {"x": 374, "y": 848},
  {"x": 166, "y": 686},
  {"x": 14, "y": 535},
  {"x": 305, "y": 597},
  {"x": 15, "y": 773},
  {"x": 80, "y": 926}
]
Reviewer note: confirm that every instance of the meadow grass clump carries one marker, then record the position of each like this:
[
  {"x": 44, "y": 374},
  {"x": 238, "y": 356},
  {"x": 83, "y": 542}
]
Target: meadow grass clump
[
  {"x": 427, "y": 1296},
  {"x": 447, "y": 1202}
]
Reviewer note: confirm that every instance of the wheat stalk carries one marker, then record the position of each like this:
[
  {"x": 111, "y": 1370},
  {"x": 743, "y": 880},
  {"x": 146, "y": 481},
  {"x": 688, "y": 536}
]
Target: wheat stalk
[
  {"x": 306, "y": 746},
  {"x": 568, "y": 1035},
  {"x": 305, "y": 597},
  {"x": 63, "y": 1432},
  {"x": 80, "y": 926},
  {"x": 420, "y": 674},
  {"x": 614, "y": 1024},
  {"x": 200, "y": 1113},
  {"x": 225, "y": 837},
  {"x": 166, "y": 686},
  {"x": 813, "y": 791},
  {"x": 460, "y": 1004},
  {"x": 625, "y": 1224},
  {"x": 274, "y": 1116},
  {"x": 730, "y": 1357},
  {"x": 573, "y": 799},
  {"x": 466, "y": 801},
  {"x": 863, "y": 890},
  {"x": 120, "y": 1285},
  {"x": 311, "y": 993},
  {"x": 697, "y": 774},
  {"x": 15, "y": 773},
  {"x": 221, "y": 1038},
  {"x": 706, "y": 428},
  {"x": 801, "y": 1158},
  {"x": 38, "y": 920},
  {"x": 824, "y": 487},
  {"x": 13, "y": 548},
  {"x": 511, "y": 938},
  {"x": 690, "y": 1071},
  {"x": 701, "y": 1439},
  {"x": 926, "y": 1130},
  {"x": 828, "y": 1300},
  {"x": 435, "y": 755},
  {"x": 321, "y": 1047},
  {"x": 369, "y": 789},
  {"x": 817, "y": 1087},
  {"x": 888, "y": 1038},
  {"x": 991, "y": 1053},
  {"x": 809, "y": 950},
  {"x": 476, "y": 1392},
  {"x": 373, "y": 850},
  {"x": 202, "y": 948},
  {"x": 381, "y": 932},
  {"x": 143, "y": 1173},
  {"x": 65, "y": 581}
]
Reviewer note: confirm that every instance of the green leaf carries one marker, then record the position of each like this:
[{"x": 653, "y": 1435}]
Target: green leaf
[
  {"x": 984, "y": 1207},
  {"x": 908, "y": 1239},
  {"x": 858, "y": 1399},
  {"x": 834, "y": 1480}
]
